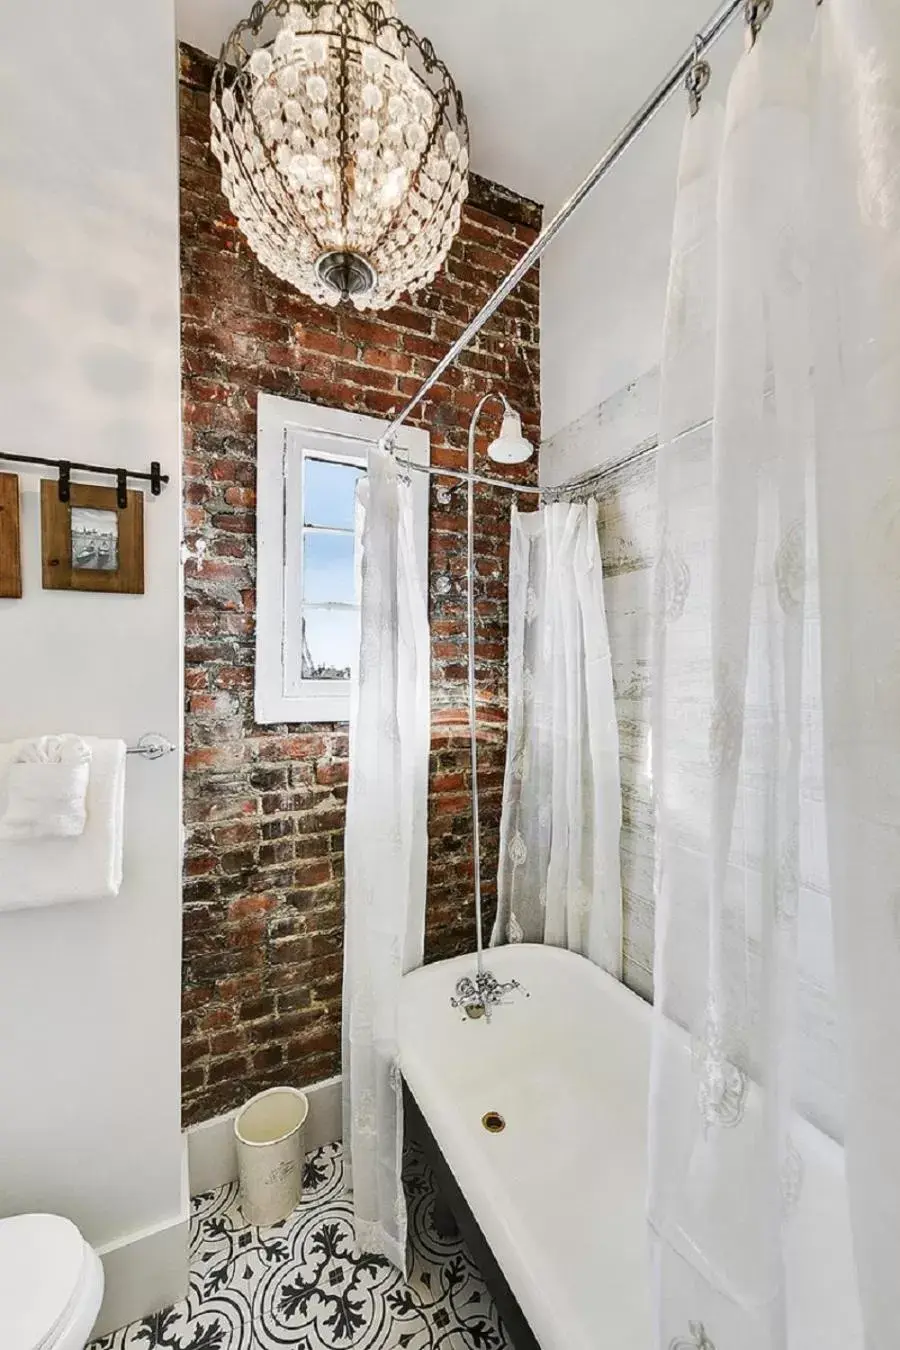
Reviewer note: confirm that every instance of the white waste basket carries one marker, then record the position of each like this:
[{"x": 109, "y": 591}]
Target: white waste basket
[{"x": 268, "y": 1134}]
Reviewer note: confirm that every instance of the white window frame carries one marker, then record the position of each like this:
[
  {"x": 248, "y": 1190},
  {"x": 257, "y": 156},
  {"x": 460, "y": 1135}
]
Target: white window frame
[{"x": 285, "y": 431}]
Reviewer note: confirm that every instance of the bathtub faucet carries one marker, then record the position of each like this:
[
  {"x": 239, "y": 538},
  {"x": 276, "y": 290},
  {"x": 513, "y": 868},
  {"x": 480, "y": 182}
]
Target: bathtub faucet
[{"x": 478, "y": 994}]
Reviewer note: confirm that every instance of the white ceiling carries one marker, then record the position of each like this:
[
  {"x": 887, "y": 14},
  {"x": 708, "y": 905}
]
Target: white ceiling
[{"x": 547, "y": 83}]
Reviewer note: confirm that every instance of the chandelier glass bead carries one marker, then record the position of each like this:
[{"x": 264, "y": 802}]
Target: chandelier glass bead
[{"x": 343, "y": 145}]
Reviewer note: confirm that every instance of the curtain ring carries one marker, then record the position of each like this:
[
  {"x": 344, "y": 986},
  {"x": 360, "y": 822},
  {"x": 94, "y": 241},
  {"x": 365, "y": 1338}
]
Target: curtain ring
[
  {"x": 755, "y": 14},
  {"x": 697, "y": 78},
  {"x": 390, "y": 446},
  {"x": 404, "y": 474}
]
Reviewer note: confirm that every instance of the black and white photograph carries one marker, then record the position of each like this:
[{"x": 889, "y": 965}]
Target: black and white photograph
[{"x": 95, "y": 539}]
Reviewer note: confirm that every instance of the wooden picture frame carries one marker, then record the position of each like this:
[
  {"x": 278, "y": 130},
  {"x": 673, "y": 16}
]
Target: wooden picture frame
[
  {"x": 10, "y": 546},
  {"x": 90, "y": 543}
]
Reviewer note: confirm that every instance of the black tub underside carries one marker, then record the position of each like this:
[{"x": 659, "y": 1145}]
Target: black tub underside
[{"x": 417, "y": 1129}]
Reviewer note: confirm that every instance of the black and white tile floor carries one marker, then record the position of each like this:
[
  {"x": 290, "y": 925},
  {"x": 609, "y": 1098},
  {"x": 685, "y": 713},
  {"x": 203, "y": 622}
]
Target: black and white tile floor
[{"x": 301, "y": 1284}]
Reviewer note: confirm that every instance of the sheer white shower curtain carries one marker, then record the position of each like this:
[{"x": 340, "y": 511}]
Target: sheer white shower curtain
[
  {"x": 559, "y": 879},
  {"x": 385, "y": 849},
  {"x": 777, "y": 704}
]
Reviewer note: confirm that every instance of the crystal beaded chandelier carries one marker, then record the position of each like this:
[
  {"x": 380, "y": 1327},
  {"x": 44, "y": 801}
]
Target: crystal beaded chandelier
[{"x": 343, "y": 144}]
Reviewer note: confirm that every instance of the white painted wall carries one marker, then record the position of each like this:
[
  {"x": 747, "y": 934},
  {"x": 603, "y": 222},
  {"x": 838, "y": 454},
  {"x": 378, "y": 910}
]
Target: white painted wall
[
  {"x": 89, "y": 357},
  {"x": 603, "y": 280}
]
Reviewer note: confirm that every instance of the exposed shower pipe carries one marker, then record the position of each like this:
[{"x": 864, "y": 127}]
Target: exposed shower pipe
[
  {"x": 473, "y": 725},
  {"x": 704, "y": 39},
  {"x": 508, "y": 413}
]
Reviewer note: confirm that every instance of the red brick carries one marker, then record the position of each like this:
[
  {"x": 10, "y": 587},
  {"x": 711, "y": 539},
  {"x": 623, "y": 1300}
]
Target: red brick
[
  {"x": 312, "y": 873},
  {"x": 227, "y": 1070},
  {"x": 368, "y": 377},
  {"x": 193, "y": 1050},
  {"x": 330, "y": 772},
  {"x": 240, "y": 496},
  {"x": 448, "y": 782},
  {"x": 221, "y": 470},
  {"x": 198, "y": 864},
  {"x": 386, "y": 359},
  {"x": 226, "y": 1042},
  {"x": 292, "y": 747},
  {"x": 216, "y": 1018},
  {"x": 268, "y": 1058},
  {"x": 251, "y": 906},
  {"x": 318, "y": 340},
  {"x": 213, "y": 757}
]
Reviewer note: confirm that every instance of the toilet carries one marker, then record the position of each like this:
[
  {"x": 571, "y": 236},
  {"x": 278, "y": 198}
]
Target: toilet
[{"x": 51, "y": 1284}]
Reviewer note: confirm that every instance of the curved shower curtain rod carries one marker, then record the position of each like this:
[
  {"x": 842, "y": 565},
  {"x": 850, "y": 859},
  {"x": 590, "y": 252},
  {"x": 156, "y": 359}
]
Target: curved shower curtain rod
[{"x": 703, "y": 40}]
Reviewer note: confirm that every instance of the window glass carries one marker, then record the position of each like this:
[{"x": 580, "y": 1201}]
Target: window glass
[
  {"x": 329, "y": 492},
  {"x": 330, "y": 643},
  {"x": 328, "y": 568}
]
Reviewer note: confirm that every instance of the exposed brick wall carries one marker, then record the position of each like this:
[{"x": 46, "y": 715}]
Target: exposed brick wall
[{"x": 264, "y": 806}]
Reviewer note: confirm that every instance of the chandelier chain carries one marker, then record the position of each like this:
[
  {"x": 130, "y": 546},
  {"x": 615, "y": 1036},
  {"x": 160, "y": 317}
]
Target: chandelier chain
[{"x": 343, "y": 108}]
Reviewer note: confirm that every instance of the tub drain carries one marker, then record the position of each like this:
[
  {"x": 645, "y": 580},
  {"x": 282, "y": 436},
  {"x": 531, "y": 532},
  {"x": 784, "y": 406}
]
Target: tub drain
[{"x": 493, "y": 1122}]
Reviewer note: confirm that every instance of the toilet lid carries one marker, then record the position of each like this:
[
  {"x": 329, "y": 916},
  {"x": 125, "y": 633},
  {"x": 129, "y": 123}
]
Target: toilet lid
[{"x": 41, "y": 1272}]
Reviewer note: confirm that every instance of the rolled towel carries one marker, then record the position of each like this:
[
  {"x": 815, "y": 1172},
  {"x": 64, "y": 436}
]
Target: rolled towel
[{"x": 47, "y": 783}]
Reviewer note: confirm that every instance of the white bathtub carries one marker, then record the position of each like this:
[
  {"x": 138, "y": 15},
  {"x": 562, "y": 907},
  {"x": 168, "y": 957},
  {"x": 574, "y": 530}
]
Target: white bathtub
[{"x": 560, "y": 1194}]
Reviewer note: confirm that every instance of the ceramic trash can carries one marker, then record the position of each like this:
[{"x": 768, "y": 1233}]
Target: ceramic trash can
[{"x": 268, "y": 1134}]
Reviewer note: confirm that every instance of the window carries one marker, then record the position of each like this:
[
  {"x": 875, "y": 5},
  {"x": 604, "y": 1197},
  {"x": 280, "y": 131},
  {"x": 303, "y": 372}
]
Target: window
[{"x": 310, "y": 460}]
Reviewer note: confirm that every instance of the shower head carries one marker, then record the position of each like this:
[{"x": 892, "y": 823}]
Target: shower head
[{"x": 510, "y": 447}]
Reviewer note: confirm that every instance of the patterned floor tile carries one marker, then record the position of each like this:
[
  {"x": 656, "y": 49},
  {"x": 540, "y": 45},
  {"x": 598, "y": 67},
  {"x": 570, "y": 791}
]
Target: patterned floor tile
[{"x": 301, "y": 1283}]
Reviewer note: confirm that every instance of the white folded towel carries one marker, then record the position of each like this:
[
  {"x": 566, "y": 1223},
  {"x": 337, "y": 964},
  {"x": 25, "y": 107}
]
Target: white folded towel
[
  {"x": 46, "y": 788},
  {"x": 37, "y": 872}
]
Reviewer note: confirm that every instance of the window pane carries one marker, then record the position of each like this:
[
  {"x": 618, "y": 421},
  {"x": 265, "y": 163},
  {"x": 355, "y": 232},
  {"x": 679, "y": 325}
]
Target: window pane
[
  {"x": 329, "y": 492},
  {"x": 330, "y": 643},
  {"x": 328, "y": 568}
]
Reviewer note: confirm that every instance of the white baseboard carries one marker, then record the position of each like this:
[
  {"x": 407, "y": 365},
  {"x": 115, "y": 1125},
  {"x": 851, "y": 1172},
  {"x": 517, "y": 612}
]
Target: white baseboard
[
  {"x": 147, "y": 1270},
  {"x": 212, "y": 1161}
]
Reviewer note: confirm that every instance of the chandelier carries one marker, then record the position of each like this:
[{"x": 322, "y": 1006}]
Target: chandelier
[{"x": 343, "y": 144}]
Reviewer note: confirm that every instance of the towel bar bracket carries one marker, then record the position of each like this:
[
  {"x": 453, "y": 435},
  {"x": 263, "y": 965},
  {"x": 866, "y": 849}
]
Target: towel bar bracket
[{"x": 151, "y": 746}]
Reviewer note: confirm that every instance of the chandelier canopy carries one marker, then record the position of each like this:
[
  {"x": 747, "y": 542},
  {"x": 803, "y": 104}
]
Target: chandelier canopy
[{"x": 343, "y": 144}]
